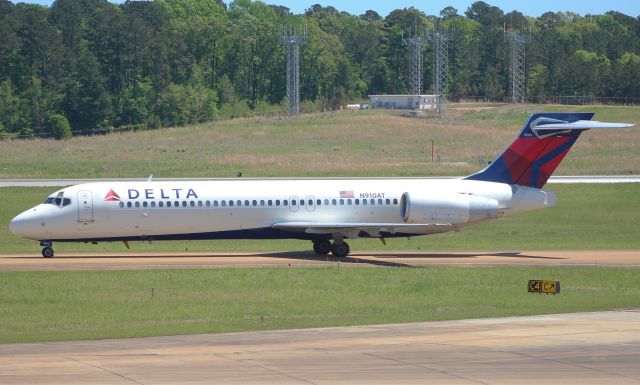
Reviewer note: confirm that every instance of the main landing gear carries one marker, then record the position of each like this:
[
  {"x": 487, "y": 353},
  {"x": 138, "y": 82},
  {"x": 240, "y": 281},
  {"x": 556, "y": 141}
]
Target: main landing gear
[
  {"x": 339, "y": 248},
  {"x": 47, "y": 249}
]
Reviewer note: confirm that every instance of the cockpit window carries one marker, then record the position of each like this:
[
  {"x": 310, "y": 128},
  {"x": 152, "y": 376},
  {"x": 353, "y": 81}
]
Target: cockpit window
[{"x": 57, "y": 201}]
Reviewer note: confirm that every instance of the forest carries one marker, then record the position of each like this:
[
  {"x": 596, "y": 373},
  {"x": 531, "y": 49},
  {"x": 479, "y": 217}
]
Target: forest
[{"x": 82, "y": 67}]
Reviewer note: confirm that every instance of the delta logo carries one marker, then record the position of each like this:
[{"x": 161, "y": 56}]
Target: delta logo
[{"x": 112, "y": 196}]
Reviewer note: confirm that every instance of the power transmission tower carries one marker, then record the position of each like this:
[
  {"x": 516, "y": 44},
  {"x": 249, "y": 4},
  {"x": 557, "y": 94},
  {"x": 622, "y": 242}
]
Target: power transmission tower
[
  {"x": 293, "y": 37},
  {"x": 518, "y": 64},
  {"x": 440, "y": 41},
  {"x": 416, "y": 48}
]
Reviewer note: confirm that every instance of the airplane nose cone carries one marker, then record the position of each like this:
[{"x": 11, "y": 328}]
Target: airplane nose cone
[{"x": 17, "y": 225}]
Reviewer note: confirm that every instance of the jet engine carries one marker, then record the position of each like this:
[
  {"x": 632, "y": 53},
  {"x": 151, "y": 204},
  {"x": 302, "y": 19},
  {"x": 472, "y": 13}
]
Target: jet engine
[{"x": 458, "y": 208}]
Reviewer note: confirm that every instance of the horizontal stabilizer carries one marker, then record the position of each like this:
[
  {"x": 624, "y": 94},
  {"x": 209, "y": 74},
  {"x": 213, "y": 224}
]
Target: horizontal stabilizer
[{"x": 578, "y": 125}]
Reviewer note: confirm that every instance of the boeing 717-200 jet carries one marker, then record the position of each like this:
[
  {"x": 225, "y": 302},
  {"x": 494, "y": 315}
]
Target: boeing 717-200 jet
[{"x": 324, "y": 211}]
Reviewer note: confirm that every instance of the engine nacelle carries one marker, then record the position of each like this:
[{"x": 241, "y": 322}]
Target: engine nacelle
[{"x": 458, "y": 208}]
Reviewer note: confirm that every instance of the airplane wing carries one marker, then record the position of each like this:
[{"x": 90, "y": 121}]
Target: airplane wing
[{"x": 353, "y": 229}]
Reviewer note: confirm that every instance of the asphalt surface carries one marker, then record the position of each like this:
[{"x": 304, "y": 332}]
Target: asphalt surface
[
  {"x": 129, "y": 261},
  {"x": 582, "y": 348},
  {"x": 69, "y": 182}
]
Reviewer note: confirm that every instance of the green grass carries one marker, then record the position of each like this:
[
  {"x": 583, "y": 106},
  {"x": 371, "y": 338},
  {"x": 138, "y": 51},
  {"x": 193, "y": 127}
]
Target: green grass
[
  {"x": 363, "y": 143},
  {"x": 587, "y": 216},
  {"x": 49, "y": 306}
]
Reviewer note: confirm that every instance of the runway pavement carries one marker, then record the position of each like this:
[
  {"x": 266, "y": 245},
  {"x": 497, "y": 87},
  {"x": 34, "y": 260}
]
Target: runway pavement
[
  {"x": 583, "y": 348},
  {"x": 127, "y": 261}
]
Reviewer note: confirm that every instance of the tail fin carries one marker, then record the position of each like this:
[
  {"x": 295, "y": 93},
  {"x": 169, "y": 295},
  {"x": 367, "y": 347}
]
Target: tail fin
[{"x": 541, "y": 145}]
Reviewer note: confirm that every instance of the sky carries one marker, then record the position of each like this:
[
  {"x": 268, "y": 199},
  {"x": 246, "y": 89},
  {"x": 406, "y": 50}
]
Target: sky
[{"x": 433, "y": 7}]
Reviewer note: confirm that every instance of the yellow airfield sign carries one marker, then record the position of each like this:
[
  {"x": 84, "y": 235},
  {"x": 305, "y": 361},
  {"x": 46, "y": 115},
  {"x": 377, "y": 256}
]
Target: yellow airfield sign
[{"x": 542, "y": 286}]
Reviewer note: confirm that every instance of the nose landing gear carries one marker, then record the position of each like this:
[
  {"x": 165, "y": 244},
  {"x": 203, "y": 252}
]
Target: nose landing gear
[{"x": 47, "y": 249}]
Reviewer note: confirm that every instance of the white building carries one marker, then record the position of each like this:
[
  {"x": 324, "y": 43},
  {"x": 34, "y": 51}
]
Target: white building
[{"x": 407, "y": 102}]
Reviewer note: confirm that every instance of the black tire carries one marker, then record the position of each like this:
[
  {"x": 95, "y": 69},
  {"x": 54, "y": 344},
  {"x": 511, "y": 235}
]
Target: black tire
[
  {"x": 340, "y": 249},
  {"x": 47, "y": 252},
  {"x": 322, "y": 247}
]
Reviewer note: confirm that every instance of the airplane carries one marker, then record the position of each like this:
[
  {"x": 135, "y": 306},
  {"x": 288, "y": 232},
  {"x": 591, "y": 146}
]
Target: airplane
[{"x": 324, "y": 211}]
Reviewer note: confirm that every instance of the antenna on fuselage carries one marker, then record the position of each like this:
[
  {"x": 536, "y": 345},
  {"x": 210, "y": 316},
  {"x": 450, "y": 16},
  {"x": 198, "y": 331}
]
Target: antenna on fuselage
[{"x": 150, "y": 178}]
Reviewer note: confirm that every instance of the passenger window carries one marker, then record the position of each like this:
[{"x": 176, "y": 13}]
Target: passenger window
[
  {"x": 349, "y": 202},
  {"x": 192, "y": 203},
  {"x": 285, "y": 202},
  {"x": 380, "y": 201},
  {"x": 357, "y": 202},
  {"x": 208, "y": 203},
  {"x": 319, "y": 202},
  {"x": 334, "y": 202},
  {"x": 238, "y": 203},
  {"x": 277, "y": 202},
  {"x": 121, "y": 204},
  {"x": 128, "y": 204},
  {"x": 246, "y": 203},
  {"x": 364, "y": 202},
  {"x": 395, "y": 201},
  {"x": 215, "y": 203},
  {"x": 388, "y": 201},
  {"x": 310, "y": 202},
  {"x": 160, "y": 204},
  {"x": 326, "y": 202},
  {"x": 153, "y": 203},
  {"x": 301, "y": 202},
  {"x": 168, "y": 203},
  {"x": 231, "y": 203},
  {"x": 144, "y": 204},
  {"x": 270, "y": 202},
  {"x": 341, "y": 202},
  {"x": 255, "y": 202},
  {"x": 137, "y": 204},
  {"x": 372, "y": 201},
  {"x": 261, "y": 202},
  {"x": 199, "y": 203},
  {"x": 223, "y": 203}
]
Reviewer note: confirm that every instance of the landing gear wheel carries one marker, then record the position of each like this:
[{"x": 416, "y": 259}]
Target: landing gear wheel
[
  {"x": 322, "y": 247},
  {"x": 47, "y": 252},
  {"x": 340, "y": 249}
]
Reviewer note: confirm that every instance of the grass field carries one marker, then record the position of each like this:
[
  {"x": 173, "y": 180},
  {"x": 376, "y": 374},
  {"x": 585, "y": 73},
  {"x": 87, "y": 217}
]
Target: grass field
[
  {"x": 363, "y": 143},
  {"x": 586, "y": 217},
  {"x": 49, "y": 306}
]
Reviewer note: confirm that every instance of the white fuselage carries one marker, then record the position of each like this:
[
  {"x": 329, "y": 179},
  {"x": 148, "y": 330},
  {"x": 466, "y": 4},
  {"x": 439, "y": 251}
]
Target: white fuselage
[{"x": 263, "y": 208}]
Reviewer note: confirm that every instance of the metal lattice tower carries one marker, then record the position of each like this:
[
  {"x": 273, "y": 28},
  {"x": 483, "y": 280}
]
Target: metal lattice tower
[
  {"x": 518, "y": 69},
  {"x": 440, "y": 42},
  {"x": 416, "y": 48},
  {"x": 293, "y": 38}
]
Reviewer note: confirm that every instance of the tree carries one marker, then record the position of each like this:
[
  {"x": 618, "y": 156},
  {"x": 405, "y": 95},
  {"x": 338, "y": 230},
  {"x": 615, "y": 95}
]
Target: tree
[{"x": 59, "y": 126}]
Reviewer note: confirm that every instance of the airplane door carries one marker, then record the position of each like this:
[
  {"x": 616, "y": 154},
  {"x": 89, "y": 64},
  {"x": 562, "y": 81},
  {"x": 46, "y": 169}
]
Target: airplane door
[
  {"x": 293, "y": 203},
  {"x": 85, "y": 206}
]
